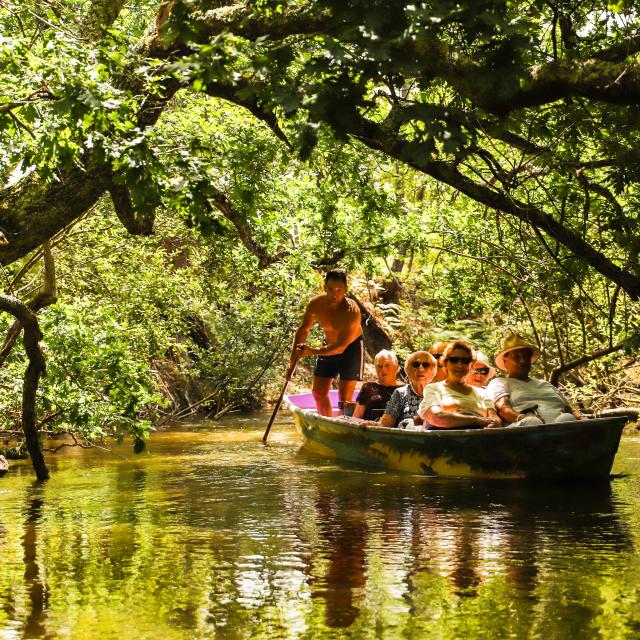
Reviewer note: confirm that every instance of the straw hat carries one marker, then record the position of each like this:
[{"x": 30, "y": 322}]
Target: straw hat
[
  {"x": 512, "y": 342},
  {"x": 481, "y": 358}
]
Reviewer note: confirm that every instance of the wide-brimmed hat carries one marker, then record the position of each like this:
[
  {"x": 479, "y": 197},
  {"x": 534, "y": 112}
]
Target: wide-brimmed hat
[
  {"x": 481, "y": 358},
  {"x": 512, "y": 342}
]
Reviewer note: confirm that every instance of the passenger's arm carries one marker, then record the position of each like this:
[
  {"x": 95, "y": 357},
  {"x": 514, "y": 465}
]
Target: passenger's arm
[
  {"x": 495, "y": 419},
  {"x": 393, "y": 410},
  {"x": 576, "y": 413},
  {"x": 359, "y": 410},
  {"x": 506, "y": 411},
  {"x": 387, "y": 420},
  {"x": 439, "y": 417}
]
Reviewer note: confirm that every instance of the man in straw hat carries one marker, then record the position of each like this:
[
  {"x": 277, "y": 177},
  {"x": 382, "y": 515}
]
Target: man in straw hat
[{"x": 519, "y": 398}]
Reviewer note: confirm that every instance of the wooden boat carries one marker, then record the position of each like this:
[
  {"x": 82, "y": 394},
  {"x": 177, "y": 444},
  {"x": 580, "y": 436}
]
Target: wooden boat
[{"x": 580, "y": 449}]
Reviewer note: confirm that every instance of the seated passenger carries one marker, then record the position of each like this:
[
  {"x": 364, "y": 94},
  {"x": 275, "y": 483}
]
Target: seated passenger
[
  {"x": 521, "y": 399},
  {"x": 436, "y": 350},
  {"x": 402, "y": 409},
  {"x": 481, "y": 371},
  {"x": 373, "y": 396},
  {"x": 452, "y": 403}
]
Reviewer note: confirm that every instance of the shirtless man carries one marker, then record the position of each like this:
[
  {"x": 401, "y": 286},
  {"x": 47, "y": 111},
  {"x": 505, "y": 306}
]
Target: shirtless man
[{"x": 342, "y": 353}]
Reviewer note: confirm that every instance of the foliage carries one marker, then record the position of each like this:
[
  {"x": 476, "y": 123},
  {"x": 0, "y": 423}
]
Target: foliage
[
  {"x": 488, "y": 148},
  {"x": 140, "y": 321}
]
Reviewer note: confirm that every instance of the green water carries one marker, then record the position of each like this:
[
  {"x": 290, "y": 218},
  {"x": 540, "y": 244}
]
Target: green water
[{"x": 211, "y": 535}]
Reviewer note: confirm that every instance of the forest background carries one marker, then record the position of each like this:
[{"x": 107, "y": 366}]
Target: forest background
[{"x": 178, "y": 176}]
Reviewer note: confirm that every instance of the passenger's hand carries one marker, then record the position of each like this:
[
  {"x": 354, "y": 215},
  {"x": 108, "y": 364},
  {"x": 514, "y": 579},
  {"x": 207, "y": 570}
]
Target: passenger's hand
[{"x": 489, "y": 422}]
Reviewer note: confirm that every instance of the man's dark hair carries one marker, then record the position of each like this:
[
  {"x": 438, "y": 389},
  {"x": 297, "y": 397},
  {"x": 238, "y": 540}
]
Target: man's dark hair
[{"x": 336, "y": 275}]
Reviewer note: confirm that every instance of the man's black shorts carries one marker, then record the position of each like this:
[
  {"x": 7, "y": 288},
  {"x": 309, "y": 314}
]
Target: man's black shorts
[{"x": 348, "y": 364}]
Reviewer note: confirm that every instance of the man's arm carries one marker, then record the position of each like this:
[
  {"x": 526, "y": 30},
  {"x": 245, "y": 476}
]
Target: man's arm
[
  {"x": 506, "y": 411},
  {"x": 439, "y": 417},
  {"x": 577, "y": 414},
  {"x": 302, "y": 333}
]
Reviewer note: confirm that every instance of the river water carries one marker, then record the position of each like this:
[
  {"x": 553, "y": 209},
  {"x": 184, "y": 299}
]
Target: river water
[{"x": 211, "y": 535}]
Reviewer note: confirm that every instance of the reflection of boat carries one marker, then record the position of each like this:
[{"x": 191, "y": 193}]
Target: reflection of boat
[{"x": 584, "y": 448}]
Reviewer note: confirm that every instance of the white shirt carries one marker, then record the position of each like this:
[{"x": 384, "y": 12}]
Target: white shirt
[
  {"x": 476, "y": 403},
  {"x": 522, "y": 393}
]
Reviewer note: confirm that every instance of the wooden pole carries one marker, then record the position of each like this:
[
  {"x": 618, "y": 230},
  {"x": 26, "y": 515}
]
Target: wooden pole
[{"x": 279, "y": 402}]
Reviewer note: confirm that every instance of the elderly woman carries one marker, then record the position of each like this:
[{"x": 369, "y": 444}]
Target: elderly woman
[
  {"x": 524, "y": 400},
  {"x": 481, "y": 371},
  {"x": 373, "y": 396},
  {"x": 402, "y": 409},
  {"x": 452, "y": 403}
]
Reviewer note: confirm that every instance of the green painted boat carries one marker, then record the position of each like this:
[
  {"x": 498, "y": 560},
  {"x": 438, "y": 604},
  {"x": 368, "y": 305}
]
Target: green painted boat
[{"x": 580, "y": 449}]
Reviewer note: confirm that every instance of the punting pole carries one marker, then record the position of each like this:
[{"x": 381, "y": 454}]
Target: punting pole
[{"x": 275, "y": 409}]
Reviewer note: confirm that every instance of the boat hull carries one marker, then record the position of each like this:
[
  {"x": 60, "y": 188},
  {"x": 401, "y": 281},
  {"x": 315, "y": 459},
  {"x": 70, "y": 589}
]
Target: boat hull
[{"x": 580, "y": 449}]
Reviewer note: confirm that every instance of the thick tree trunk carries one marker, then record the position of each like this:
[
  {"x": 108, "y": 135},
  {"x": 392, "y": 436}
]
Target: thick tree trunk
[
  {"x": 35, "y": 369},
  {"x": 375, "y": 336},
  {"x": 32, "y": 211}
]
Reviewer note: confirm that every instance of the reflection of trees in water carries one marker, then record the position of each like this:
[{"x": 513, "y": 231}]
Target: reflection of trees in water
[
  {"x": 216, "y": 549},
  {"x": 34, "y": 626},
  {"x": 498, "y": 543}
]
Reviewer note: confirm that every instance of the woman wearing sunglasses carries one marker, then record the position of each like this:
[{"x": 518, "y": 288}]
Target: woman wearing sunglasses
[
  {"x": 402, "y": 409},
  {"x": 454, "y": 404},
  {"x": 481, "y": 371}
]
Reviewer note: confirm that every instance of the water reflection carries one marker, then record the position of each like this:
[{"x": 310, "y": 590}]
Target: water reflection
[
  {"x": 343, "y": 534},
  {"x": 468, "y": 534},
  {"x": 34, "y": 582},
  {"x": 212, "y": 535}
]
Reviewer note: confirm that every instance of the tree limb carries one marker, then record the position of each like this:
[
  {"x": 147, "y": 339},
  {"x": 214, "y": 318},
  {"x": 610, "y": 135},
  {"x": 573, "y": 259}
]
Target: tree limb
[
  {"x": 573, "y": 364},
  {"x": 253, "y": 105},
  {"x": 372, "y": 135},
  {"x": 98, "y": 16},
  {"x": 47, "y": 296},
  {"x": 244, "y": 232},
  {"x": 135, "y": 222},
  {"x": 35, "y": 369}
]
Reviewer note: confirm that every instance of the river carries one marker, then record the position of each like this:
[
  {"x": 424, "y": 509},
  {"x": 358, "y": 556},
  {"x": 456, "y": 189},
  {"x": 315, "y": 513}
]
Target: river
[{"x": 209, "y": 534}]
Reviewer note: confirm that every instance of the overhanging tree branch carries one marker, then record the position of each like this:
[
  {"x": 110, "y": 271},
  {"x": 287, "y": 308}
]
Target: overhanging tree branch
[
  {"x": 372, "y": 135},
  {"x": 243, "y": 229},
  {"x": 574, "y": 364}
]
